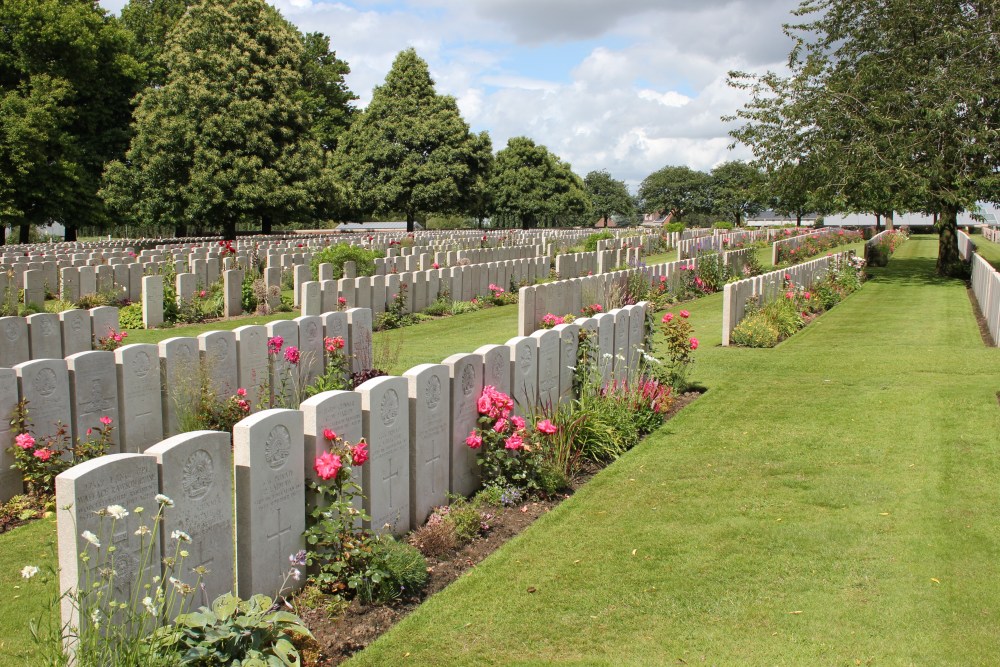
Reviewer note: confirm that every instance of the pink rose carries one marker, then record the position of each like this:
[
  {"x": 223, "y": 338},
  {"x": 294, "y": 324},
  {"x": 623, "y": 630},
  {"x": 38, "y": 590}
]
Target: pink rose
[
  {"x": 501, "y": 425},
  {"x": 327, "y": 465},
  {"x": 514, "y": 442},
  {"x": 685, "y": 314},
  {"x": 435, "y": 265},
  {"x": 241, "y": 392},
  {"x": 667, "y": 318},
  {"x": 789, "y": 295},
  {"x": 24, "y": 441},
  {"x": 106, "y": 420},
  {"x": 547, "y": 427},
  {"x": 694, "y": 343},
  {"x": 292, "y": 355},
  {"x": 474, "y": 441},
  {"x": 328, "y": 434},
  {"x": 484, "y": 404},
  {"x": 342, "y": 300},
  {"x": 274, "y": 345},
  {"x": 43, "y": 454},
  {"x": 359, "y": 453},
  {"x": 807, "y": 295},
  {"x": 518, "y": 423}
]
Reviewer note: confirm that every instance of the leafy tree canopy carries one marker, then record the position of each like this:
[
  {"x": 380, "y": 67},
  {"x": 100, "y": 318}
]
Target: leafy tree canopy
[
  {"x": 410, "y": 151},
  {"x": 66, "y": 78},
  {"x": 227, "y": 139},
  {"x": 679, "y": 190},
  {"x": 533, "y": 187},
  {"x": 608, "y": 196},
  {"x": 736, "y": 191},
  {"x": 898, "y": 101}
]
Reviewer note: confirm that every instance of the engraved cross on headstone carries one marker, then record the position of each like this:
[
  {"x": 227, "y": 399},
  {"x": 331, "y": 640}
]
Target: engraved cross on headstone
[
  {"x": 431, "y": 463},
  {"x": 393, "y": 472},
  {"x": 202, "y": 561},
  {"x": 280, "y": 533}
]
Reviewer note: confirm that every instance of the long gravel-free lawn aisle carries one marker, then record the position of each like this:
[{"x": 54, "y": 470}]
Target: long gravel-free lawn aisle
[{"x": 830, "y": 501}]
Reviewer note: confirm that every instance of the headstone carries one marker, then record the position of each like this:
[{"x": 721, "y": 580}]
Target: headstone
[
  {"x": 385, "y": 419},
  {"x": 44, "y": 384},
  {"x": 232, "y": 293},
  {"x": 284, "y": 374},
  {"x": 180, "y": 373},
  {"x": 569, "y": 344},
  {"x": 218, "y": 358},
  {"x": 186, "y": 286},
  {"x": 10, "y": 479},
  {"x": 93, "y": 394},
  {"x": 362, "y": 353},
  {"x": 339, "y": 411},
  {"x": 524, "y": 374},
  {"x": 620, "y": 370},
  {"x": 548, "y": 369},
  {"x": 430, "y": 421},
  {"x": 311, "y": 350},
  {"x": 311, "y": 298},
  {"x": 251, "y": 362},
  {"x": 76, "y": 332},
  {"x": 272, "y": 284},
  {"x": 88, "y": 280},
  {"x": 69, "y": 284},
  {"x": 605, "y": 345},
  {"x": 129, "y": 481},
  {"x": 636, "y": 334},
  {"x": 195, "y": 472},
  {"x": 152, "y": 301},
  {"x": 268, "y": 450},
  {"x": 300, "y": 274},
  {"x": 139, "y": 399},
  {"x": 465, "y": 375},
  {"x": 16, "y": 347},
  {"x": 46, "y": 336},
  {"x": 104, "y": 321},
  {"x": 34, "y": 288},
  {"x": 496, "y": 366},
  {"x": 325, "y": 272}
]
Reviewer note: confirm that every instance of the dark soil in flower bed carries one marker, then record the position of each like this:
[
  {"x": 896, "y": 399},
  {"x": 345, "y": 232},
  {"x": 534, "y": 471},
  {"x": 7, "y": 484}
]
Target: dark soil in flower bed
[{"x": 337, "y": 639}]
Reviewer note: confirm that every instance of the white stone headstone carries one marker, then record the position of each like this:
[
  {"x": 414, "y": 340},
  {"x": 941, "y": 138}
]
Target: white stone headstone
[
  {"x": 218, "y": 358},
  {"x": 76, "y": 331},
  {"x": 195, "y": 472},
  {"x": 152, "y": 301},
  {"x": 385, "y": 415},
  {"x": 548, "y": 368},
  {"x": 339, "y": 411},
  {"x": 268, "y": 451},
  {"x": 45, "y": 335},
  {"x": 93, "y": 394},
  {"x": 465, "y": 374},
  {"x": 311, "y": 348},
  {"x": 44, "y": 384},
  {"x": 10, "y": 480},
  {"x": 251, "y": 362},
  {"x": 430, "y": 421},
  {"x": 362, "y": 355},
  {"x": 284, "y": 374},
  {"x": 569, "y": 344},
  {"x": 15, "y": 347},
  {"x": 524, "y": 374},
  {"x": 139, "y": 396},
  {"x": 180, "y": 373}
]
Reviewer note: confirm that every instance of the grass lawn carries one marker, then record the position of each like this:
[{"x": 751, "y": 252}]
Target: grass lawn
[
  {"x": 988, "y": 249},
  {"x": 830, "y": 501}
]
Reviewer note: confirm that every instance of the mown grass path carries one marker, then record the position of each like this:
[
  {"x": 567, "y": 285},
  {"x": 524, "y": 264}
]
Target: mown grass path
[{"x": 830, "y": 501}]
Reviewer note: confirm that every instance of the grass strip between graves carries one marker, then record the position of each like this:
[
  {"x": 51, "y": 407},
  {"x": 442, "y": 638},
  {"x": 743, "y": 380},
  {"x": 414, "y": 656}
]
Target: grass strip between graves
[
  {"x": 988, "y": 249},
  {"x": 828, "y": 501}
]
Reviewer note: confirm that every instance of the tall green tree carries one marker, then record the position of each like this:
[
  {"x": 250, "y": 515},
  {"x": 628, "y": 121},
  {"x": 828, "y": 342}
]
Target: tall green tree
[
  {"x": 150, "y": 21},
  {"x": 608, "y": 196},
  {"x": 226, "y": 141},
  {"x": 533, "y": 187},
  {"x": 736, "y": 191},
  {"x": 66, "y": 78},
  {"x": 410, "y": 151},
  {"x": 791, "y": 190},
  {"x": 677, "y": 190},
  {"x": 897, "y": 99}
]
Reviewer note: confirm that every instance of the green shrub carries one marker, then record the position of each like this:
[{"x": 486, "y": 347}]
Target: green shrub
[
  {"x": 552, "y": 480},
  {"x": 363, "y": 259},
  {"x": 440, "y": 307},
  {"x": 755, "y": 331},
  {"x": 404, "y": 570},
  {"x": 722, "y": 224},
  {"x": 460, "y": 307},
  {"x": 130, "y": 316},
  {"x": 465, "y": 518},
  {"x": 590, "y": 243},
  {"x": 232, "y": 632},
  {"x": 784, "y": 315},
  {"x": 674, "y": 227}
]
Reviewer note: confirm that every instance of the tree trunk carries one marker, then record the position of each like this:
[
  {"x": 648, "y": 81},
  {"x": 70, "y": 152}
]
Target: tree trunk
[
  {"x": 878, "y": 222},
  {"x": 948, "y": 262},
  {"x": 410, "y": 220},
  {"x": 798, "y": 219},
  {"x": 737, "y": 219},
  {"x": 3, "y": 234},
  {"x": 25, "y": 232},
  {"x": 229, "y": 230},
  {"x": 180, "y": 230},
  {"x": 888, "y": 221},
  {"x": 266, "y": 226},
  {"x": 70, "y": 233}
]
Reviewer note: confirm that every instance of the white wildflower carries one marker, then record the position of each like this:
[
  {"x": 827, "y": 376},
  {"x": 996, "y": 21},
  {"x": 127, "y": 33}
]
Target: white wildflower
[
  {"x": 95, "y": 617},
  {"x": 90, "y": 537},
  {"x": 147, "y": 602},
  {"x": 296, "y": 575},
  {"x": 142, "y": 531},
  {"x": 28, "y": 571},
  {"x": 117, "y": 511},
  {"x": 180, "y": 535},
  {"x": 163, "y": 500}
]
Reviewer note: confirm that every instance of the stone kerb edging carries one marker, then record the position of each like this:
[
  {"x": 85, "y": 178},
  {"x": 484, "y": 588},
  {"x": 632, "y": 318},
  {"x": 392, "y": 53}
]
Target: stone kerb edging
[
  {"x": 794, "y": 242},
  {"x": 142, "y": 386},
  {"x": 986, "y": 288},
  {"x": 768, "y": 287},
  {"x": 415, "y": 426}
]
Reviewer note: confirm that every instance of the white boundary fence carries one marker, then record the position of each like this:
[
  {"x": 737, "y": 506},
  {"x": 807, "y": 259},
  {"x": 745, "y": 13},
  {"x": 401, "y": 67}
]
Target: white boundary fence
[
  {"x": 986, "y": 288},
  {"x": 770, "y": 286}
]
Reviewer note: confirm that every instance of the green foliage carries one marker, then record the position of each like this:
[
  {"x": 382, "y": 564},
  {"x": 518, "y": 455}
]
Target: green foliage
[
  {"x": 410, "y": 151},
  {"x": 755, "y": 330},
  {"x": 461, "y": 307},
  {"x": 337, "y": 254},
  {"x": 227, "y": 139},
  {"x": 66, "y": 79},
  {"x": 404, "y": 568},
  {"x": 439, "y": 307},
  {"x": 681, "y": 190},
  {"x": 465, "y": 517},
  {"x": 721, "y": 224},
  {"x": 590, "y": 243},
  {"x": 533, "y": 187},
  {"x": 608, "y": 196},
  {"x": 736, "y": 191},
  {"x": 680, "y": 345},
  {"x": 674, "y": 227},
  {"x": 234, "y": 632},
  {"x": 130, "y": 316}
]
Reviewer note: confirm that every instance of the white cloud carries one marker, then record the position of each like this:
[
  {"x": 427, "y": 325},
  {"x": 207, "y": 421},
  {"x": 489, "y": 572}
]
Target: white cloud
[{"x": 671, "y": 98}]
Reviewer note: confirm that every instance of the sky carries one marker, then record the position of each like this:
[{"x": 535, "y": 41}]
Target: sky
[{"x": 629, "y": 86}]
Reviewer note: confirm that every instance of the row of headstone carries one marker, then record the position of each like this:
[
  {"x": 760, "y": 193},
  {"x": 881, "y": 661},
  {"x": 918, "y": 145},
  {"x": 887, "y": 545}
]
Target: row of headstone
[
  {"x": 244, "y": 510},
  {"x": 790, "y": 242},
  {"x": 771, "y": 286},
  {"x": 54, "y": 336},
  {"x": 148, "y": 389},
  {"x": 986, "y": 287}
]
